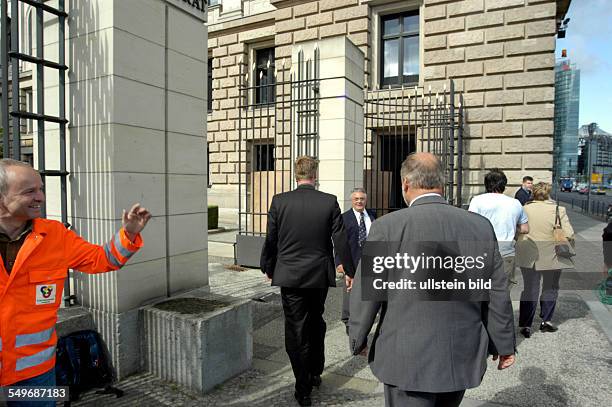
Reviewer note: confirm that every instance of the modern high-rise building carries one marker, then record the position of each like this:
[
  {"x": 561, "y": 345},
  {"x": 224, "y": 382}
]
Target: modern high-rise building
[
  {"x": 567, "y": 98},
  {"x": 599, "y": 143}
]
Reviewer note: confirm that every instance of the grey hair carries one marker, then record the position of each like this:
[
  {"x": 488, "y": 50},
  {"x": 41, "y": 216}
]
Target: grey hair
[
  {"x": 363, "y": 191},
  {"x": 423, "y": 172},
  {"x": 5, "y": 164}
]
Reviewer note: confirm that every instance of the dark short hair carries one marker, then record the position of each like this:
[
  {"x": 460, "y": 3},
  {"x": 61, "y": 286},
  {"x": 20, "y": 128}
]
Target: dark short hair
[
  {"x": 527, "y": 178},
  {"x": 495, "y": 181}
]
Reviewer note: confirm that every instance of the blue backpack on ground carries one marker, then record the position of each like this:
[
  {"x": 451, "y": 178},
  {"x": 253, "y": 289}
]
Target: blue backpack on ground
[{"x": 83, "y": 363}]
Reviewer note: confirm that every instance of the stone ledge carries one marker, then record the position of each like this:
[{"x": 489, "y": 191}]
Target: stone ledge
[{"x": 73, "y": 319}]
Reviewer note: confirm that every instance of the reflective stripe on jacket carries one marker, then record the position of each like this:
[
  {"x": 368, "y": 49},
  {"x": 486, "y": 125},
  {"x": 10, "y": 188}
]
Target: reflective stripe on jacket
[{"x": 32, "y": 293}]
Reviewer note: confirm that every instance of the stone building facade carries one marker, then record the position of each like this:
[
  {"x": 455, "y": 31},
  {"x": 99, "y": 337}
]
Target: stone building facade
[{"x": 500, "y": 54}]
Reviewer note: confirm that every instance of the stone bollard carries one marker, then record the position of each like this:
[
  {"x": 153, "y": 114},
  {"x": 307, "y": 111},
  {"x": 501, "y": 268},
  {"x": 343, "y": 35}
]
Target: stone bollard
[{"x": 197, "y": 342}]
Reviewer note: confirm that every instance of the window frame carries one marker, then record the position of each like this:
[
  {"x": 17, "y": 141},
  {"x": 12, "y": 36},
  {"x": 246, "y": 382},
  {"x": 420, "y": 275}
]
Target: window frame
[
  {"x": 271, "y": 88},
  {"x": 267, "y": 146},
  {"x": 398, "y": 81}
]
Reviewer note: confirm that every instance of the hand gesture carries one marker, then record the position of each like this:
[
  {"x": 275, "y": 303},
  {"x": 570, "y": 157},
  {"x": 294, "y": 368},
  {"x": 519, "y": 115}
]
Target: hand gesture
[
  {"x": 348, "y": 282},
  {"x": 135, "y": 220},
  {"x": 505, "y": 361}
]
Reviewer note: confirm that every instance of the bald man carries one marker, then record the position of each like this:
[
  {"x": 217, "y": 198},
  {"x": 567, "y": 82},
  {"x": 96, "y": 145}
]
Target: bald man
[{"x": 427, "y": 353}]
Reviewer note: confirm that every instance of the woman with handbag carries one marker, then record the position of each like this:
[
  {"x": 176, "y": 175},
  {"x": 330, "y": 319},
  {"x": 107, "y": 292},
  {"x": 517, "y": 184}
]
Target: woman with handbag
[{"x": 542, "y": 254}]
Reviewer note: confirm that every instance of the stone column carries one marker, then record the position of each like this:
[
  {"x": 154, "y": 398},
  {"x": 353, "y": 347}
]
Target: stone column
[
  {"x": 340, "y": 114},
  {"x": 136, "y": 102}
]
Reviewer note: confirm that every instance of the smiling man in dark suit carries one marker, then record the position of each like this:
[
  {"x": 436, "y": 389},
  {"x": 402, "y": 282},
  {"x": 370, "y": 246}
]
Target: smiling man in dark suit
[
  {"x": 357, "y": 222},
  {"x": 298, "y": 256}
]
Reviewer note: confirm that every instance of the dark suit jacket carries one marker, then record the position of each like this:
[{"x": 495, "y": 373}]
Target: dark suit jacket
[
  {"x": 352, "y": 233},
  {"x": 433, "y": 346},
  {"x": 523, "y": 196},
  {"x": 298, "y": 250}
]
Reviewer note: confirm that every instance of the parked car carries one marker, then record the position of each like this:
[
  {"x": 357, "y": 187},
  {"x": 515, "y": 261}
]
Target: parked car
[
  {"x": 566, "y": 185},
  {"x": 583, "y": 190},
  {"x": 598, "y": 190}
]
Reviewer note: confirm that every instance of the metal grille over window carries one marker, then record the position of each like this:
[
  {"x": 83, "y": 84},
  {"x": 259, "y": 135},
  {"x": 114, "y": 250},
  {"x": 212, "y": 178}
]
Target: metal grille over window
[
  {"x": 278, "y": 120},
  {"x": 264, "y": 76},
  {"x": 397, "y": 121}
]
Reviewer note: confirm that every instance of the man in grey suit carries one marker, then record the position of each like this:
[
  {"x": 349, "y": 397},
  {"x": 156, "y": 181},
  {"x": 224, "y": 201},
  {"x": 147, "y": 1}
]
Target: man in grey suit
[{"x": 427, "y": 353}]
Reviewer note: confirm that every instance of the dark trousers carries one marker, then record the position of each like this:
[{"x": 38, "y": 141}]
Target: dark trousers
[
  {"x": 345, "y": 307},
  {"x": 531, "y": 292},
  {"x": 394, "y": 397},
  {"x": 304, "y": 333}
]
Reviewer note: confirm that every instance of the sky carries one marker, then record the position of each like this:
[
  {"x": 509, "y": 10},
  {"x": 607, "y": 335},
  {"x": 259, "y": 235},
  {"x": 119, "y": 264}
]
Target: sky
[{"x": 589, "y": 45}]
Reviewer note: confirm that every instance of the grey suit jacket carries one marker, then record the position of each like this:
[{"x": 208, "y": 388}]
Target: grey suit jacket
[{"x": 433, "y": 346}]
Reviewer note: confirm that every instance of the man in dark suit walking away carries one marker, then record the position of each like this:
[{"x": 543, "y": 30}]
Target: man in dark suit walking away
[
  {"x": 524, "y": 194},
  {"x": 357, "y": 222},
  {"x": 426, "y": 352},
  {"x": 298, "y": 256}
]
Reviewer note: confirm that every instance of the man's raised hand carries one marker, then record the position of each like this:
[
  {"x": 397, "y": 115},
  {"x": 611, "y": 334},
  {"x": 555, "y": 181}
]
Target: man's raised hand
[{"x": 135, "y": 220}]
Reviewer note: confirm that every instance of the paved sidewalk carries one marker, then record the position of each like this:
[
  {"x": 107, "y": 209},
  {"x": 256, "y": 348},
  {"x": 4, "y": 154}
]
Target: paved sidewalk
[{"x": 572, "y": 367}]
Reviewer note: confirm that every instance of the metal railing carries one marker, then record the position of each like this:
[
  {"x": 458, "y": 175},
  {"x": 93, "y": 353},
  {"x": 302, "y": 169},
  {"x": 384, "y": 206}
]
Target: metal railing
[{"x": 595, "y": 209}]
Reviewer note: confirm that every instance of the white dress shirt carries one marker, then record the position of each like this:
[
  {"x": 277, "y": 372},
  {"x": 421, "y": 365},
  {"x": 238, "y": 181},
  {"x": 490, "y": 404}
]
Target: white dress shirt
[{"x": 366, "y": 219}]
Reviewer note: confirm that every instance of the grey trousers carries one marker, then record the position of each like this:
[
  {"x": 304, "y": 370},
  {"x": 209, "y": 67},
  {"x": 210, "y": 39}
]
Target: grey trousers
[{"x": 394, "y": 397}]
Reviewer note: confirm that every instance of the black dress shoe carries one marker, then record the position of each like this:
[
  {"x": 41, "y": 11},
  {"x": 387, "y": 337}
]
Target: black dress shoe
[
  {"x": 548, "y": 327},
  {"x": 526, "y": 332},
  {"x": 302, "y": 400},
  {"x": 316, "y": 380}
]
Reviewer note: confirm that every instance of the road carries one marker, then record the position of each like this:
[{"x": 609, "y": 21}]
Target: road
[{"x": 568, "y": 196}]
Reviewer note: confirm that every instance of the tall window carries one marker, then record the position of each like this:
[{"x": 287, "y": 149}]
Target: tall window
[
  {"x": 264, "y": 76},
  {"x": 400, "y": 49},
  {"x": 210, "y": 84}
]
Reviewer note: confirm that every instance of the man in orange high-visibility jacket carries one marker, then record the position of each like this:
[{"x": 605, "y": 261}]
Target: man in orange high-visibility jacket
[{"x": 36, "y": 254}]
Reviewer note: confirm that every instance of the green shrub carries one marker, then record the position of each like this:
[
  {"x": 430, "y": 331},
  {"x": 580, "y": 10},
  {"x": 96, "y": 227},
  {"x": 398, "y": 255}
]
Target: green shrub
[{"x": 213, "y": 216}]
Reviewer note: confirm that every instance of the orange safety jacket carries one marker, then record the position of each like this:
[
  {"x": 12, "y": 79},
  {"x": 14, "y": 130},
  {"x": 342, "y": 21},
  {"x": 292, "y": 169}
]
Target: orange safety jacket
[{"x": 32, "y": 293}]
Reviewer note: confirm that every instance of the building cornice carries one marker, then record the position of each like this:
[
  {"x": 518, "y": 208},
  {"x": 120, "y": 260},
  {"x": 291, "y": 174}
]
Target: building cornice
[{"x": 228, "y": 27}]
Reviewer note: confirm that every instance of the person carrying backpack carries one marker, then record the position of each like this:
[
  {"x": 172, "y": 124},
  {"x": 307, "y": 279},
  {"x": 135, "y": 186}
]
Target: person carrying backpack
[{"x": 36, "y": 254}]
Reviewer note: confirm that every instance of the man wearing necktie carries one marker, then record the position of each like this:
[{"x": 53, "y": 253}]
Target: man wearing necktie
[{"x": 357, "y": 222}]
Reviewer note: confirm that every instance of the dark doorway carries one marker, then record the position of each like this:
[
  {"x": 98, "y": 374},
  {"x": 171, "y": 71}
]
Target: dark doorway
[{"x": 393, "y": 150}]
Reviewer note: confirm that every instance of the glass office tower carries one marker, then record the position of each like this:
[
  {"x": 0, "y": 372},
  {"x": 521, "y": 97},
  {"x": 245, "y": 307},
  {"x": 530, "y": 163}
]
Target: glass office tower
[{"x": 567, "y": 98}]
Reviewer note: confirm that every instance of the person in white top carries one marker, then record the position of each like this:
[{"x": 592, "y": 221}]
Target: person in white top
[{"x": 505, "y": 213}]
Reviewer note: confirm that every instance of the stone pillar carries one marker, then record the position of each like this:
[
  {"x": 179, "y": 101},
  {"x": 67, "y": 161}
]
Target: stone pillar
[
  {"x": 136, "y": 102},
  {"x": 340, "y": 115}
]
